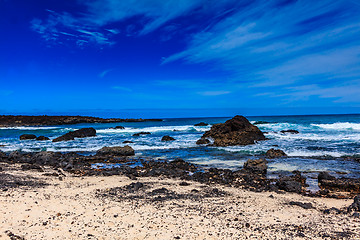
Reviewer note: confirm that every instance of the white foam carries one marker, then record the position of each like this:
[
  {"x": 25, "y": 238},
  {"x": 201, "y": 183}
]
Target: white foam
[
  {"x": 339, "y": 126},
  {"x": 29, "y": 128},
  {"x": 317, "y": 153},
  {"x": 154, "y": 129}
]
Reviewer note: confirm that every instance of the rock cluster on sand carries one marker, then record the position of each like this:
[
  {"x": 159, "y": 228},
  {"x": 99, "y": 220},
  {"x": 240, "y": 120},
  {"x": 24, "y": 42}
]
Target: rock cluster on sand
[
  {"x": 167, "y": 138},
  {"x": 275, "y": 153},
  {"x": 81, "y": 133},
  {"x": 116, "y": 151},
  {"x": 328, "y": 182},
  {"x": 236, "y": 131}
]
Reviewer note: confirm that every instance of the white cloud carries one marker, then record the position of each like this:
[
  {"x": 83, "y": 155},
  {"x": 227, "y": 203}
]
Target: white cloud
[{"x": 214, "y": 93}]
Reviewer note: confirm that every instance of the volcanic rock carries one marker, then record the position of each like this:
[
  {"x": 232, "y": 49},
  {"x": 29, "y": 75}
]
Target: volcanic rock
[
  {"x": 141, "y": 133},
  {"x": 290, "y": 131},
  {"x": 128, "y": 141},
  {"x": 355, "y": 206},
  {"x": 42, "y": 138},
  {"x": 236, "y": 131},
  {"x": 27, "y": 137},
  {"x": 201, "y": 124},
  {"x": 258, "y": 166},
  {"x": 202, "y": 141},
  {"x": 81, "y": 133},
  {"x": 328, "y": 182},
  {"x": 167, "y": 138},
  {"x": 289, "y": 186},
  {"x": 116, "y": 151},
  {"x": 275, "y": 153},
  {"x": 118, "y": 127}
]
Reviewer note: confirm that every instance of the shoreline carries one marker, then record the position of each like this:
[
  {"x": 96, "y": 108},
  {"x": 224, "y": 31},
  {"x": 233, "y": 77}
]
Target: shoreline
[{"x": 57, "y": 204}]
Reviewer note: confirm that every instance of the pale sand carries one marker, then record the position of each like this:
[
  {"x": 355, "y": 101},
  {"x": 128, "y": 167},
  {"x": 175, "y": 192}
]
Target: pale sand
[{"x": 70, "y": 209}]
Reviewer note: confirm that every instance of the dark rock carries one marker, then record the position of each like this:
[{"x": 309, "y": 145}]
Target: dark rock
[
  {"x": 290, "y": 131},
  {"x": 236, "y": 131},
  {"x": 355, "y": 206},
  {"x": 332, "y": 210},
  {"x": 260, "y": 122},
  {"x": 275, "y": 153},
  {"x": 13, "y": 236},
  {"x": 27, "y": 137},
  {"x": 133, "y": 187},
  {"x": 184, "y": 184},
  {"x": 128, "y": 142},
  {"x": 118, "y": 127},
  {"x": 10, "y": 120},
  {"x": 201, "y": 124},
  {"x": 31, "y": 167},
  {"x": 289, "y": 186},
  {"x": 303, "y": 205},
  {"x": 81, "y": 133},
  {"x": 202, "y": 141},
  {"x": 258, "y": 166},
  {"x": 42, "y": 138},
  {"x": 328, "y": 182},
  {"x": 116, "y": 151},
  {"x": 2, "y": 154},
  {"x": 160, "y": 191},
  {"x": 47, "y": 158},
  {"x": 167, "y": 138},
  {"x": 141, "y": 133}
]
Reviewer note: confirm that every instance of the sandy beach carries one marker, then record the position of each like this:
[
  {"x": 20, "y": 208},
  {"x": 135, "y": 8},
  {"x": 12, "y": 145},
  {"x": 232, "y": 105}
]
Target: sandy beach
[{"x": 37, "y": 205}]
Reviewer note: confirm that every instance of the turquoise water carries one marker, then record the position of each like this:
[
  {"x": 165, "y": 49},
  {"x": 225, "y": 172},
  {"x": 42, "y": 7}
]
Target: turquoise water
[{"x": 332, "y": 136}]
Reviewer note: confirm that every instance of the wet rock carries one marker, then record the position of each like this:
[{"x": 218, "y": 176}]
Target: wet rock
[
  {"x": 257, "y": 166},
  {"x": 81, "y": 133},
  {"x": 42, "y": 138},
  {"x": 328, "y": 182},
  {"x": 275, "y": 153},
  {"x": 301, "y": 204},
  {"x": 201, "y": 124},
  {"x": 128, "y": 142},
  {"x": 202, "y": 141},
  {"x": 27, "y": 137},
  {"x": 289, "y": 185},
  {"x": 355, "y": 206},
  {"x": 118, "y": 127},
  {"x": 141, "y": 133},
  {"x": 260, "y": 122},
  {"x": 116, "y": 151},
  {"x": 47, "y": 158},
  {"x": 167, "y": 138},
  {"x": 236, "y": 131},
  {"x": 290, "y": 131}
]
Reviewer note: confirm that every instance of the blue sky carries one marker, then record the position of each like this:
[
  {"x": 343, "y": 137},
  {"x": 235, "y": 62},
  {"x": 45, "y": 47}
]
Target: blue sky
[{"x": 272, "y": 57}]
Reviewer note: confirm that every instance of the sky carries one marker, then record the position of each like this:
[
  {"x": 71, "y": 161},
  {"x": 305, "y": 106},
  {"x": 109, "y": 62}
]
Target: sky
[{"x": 200, "y": 57}]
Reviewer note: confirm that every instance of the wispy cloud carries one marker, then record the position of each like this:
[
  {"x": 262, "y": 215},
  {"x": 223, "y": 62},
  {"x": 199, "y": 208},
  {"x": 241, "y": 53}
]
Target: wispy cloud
[{"x": 214, "y": 93}]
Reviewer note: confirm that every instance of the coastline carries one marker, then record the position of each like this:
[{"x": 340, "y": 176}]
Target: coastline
[{"x": 68, "y": 206}]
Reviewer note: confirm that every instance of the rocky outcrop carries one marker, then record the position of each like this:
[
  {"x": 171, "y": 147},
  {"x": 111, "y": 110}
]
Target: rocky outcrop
[
  {"x": 331, "y": 183},
  {"x": 202, "y": 141},
  {"x": 355, "y": 206},
  {"x": 275, "y": 153},
  {"x": 27, "y": 137},
  {"x": 167, "y": 138},
  {"x": 291, "y": 131},
  {"x": 10, "y": 120},
  {"x": 81, "y": 133},
  {"x": 294, "y": 183},
  {"x": 141, "y": 133},
  {"x": 236, "y": 131},
  {"x": 257, "y": 166},
  {"x": 118, "y": 127},
  {"x": 116, "y": 151},
  {"x": 42, "y": 138},
  {"x": 201, "y": 124}
]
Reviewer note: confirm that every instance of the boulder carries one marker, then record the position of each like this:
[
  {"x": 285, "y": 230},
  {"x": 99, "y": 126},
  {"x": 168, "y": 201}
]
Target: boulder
[
  {"x": 42, "y": 138},
  {"x": 258, "y": 166},
  {"x": 141, "y": 133},
  {"x": 236, "y": 131},
  {"x": 328, "y": 182},
  {"x": 201, "y": 124},
  {"x": 118, "y": 127},
  {"x": 202, "y": 141},
  {"x": 355, "y": 206},
  {"x": 290, "y": 131},
  {"x": 128, "y": 142},
  {"x": 116, "y": 151},
  {"x": 27, "y": 137},
  {"x": 275, "y": 153},
  {"x": 167, "y": 138},
  {"x": 81, "y": 133},
  {"x": 289, "y": 186}
]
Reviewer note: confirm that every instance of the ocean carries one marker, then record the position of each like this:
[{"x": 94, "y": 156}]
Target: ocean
[{"x": 321, "y": 145}]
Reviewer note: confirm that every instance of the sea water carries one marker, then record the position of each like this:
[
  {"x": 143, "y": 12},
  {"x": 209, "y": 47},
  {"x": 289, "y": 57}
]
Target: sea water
[{"x": 319, "y": 146}]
